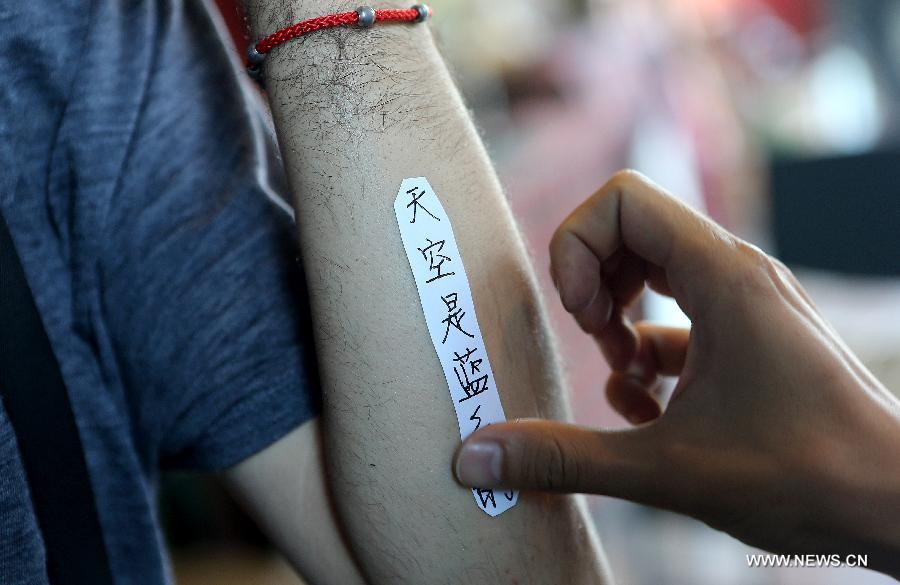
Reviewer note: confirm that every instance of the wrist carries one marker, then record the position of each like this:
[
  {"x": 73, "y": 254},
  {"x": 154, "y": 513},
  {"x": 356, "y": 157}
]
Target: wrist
[
  {"x": 861, "y": 501},
  {"x": 344, "y": 84},
  {"x": 302, "y": 40},
  {"x": 267, "y": 16}
]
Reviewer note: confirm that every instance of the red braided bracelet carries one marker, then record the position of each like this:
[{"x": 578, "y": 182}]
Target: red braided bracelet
[{"x": 364, "y": 17}]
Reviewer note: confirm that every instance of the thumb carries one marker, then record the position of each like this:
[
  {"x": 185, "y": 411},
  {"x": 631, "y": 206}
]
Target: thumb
[{"x": 544, "y": 455}]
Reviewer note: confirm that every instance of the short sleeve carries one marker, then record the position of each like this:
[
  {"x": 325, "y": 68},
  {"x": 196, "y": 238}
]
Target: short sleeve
[{"x": 201, "y": 290}]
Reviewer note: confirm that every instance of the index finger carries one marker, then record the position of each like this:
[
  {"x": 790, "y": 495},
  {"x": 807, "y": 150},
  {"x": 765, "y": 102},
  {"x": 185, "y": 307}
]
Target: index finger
[{"x": 631, "y": 211}]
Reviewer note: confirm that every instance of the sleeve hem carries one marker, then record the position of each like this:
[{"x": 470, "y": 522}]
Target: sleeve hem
[{"x": 241, "y": 431}]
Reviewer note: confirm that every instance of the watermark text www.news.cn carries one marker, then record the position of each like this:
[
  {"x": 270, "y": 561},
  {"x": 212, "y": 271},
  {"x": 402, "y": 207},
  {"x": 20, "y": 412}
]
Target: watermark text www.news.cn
[{"x": 834, "y": 560}]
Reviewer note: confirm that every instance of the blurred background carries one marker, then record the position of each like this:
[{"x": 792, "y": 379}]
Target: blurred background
[{"x": 779, "y": 118}]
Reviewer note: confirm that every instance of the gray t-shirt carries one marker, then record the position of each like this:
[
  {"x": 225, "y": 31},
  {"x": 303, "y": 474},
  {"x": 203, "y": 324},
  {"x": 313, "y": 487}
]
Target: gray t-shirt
[{"x": 133, "y": 180}]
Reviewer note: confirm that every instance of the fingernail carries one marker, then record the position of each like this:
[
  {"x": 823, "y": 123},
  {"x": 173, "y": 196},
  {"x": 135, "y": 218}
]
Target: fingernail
[{"x": 479, "y": 463}]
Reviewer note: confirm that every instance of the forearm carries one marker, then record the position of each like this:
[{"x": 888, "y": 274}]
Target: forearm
[{"x": 356, "y": 113}]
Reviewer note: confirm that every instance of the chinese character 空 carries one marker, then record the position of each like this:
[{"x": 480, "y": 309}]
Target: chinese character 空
[
  {"x": 432, "y": 253},
  {"x": 416, "y": 205}
]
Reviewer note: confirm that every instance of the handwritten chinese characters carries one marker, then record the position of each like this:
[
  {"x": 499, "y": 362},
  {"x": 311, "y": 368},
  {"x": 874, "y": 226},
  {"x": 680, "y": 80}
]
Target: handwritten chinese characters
[{"x": 450, "y": 316}]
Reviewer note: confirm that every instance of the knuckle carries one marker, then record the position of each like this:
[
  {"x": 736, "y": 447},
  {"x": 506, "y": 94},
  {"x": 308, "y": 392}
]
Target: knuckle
[
  {"x": 782, "y": 272},
  {"x": 548, "y": 466},
  {"x": 781, "y": 267},
  {"x": 757, "y": 261},
  {"x": 564, "y": 234},
  {"x": 556, "y": 242},
  {"x": 757, "y": 272},
  {"x": 626, "y": 178}
]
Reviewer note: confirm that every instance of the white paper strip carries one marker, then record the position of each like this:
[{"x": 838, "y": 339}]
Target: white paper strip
[{"x": 450, "y": 314}]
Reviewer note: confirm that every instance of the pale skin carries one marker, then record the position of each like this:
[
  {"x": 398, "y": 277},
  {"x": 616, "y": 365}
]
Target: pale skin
[
  {"x": 356, "y": 113},
  {"x": 776, "y": 433}
]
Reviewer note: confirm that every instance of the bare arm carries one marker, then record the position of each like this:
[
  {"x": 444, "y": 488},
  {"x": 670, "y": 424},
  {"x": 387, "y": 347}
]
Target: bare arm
[
  {"x": 357, "y": 111},
  {"x": 776, "y": 432},
  {"x": 284, "y": 486}
]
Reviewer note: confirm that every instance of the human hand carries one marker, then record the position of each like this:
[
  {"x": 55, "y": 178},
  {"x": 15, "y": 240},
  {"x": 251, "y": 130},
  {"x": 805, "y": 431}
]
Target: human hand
[{"x": 775, "y": 433}]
